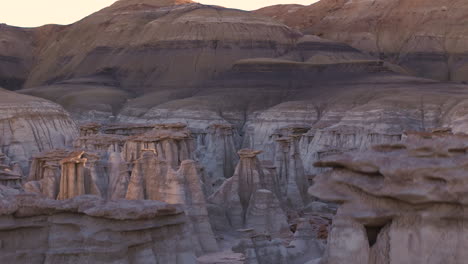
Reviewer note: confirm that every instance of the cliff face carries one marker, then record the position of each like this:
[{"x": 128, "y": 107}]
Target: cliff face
[
  {"x": 31, "y": 125},
  {"x": 89, "y": 230},
  {"x": 156, "y": 167},
  {"x": 394, "y": 195},
  {"x": 425, "y": 37}
]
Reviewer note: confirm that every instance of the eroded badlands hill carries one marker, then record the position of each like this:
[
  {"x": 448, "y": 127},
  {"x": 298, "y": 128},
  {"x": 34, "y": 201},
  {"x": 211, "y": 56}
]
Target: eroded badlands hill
[
  {"x": 427, "y": 37},
  {"x": 31, "y": 125},
  {"x": 222, "y": 111}
]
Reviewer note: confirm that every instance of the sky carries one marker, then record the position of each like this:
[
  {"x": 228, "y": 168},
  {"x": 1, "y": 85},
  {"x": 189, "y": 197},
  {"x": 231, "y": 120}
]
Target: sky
[{"x": 33, "y": 13}]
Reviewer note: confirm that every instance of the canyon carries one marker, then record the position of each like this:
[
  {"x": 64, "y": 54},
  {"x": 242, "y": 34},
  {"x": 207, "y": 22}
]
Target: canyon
[{"x": 167, "y": 131}]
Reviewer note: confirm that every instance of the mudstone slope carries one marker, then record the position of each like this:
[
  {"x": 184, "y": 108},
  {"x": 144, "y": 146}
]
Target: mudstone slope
[
  {"x": 202, "y": 129},
  {"x": 427, "y": 38}
]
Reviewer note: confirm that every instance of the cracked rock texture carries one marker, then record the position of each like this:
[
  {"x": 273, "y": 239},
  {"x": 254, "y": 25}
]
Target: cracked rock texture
[
  {"x": 240, "y": 200},
  {"x": 87, "y": 229},
  {"x": 157, "y": 169},
  {"x": 31, "y": 125},
  {"x": 398, "y": 201},
  {"x": 155, "y": 179}
]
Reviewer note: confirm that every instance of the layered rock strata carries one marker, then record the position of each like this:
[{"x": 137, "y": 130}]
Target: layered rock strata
[
  {"x": 425, "y": 37},
  {"x": 290, "y": 171},
  {"x": 31, "y": 125},
  {"x": 265, "y": 214},
  {"x": 79, "y": 176},
  {"x": 398, "y": 201},
  {"x": 87, "y": 229},
  {"x": 262, "y": 248},
  {"x": 172, "y": 142},
  {"x": 237, "y": 194},
  {"x": 154, "y": 179},
  {"x": 160, "y": 172},
  {"x": 44, "y": 174},
  {"x": 217, "y": 152}
]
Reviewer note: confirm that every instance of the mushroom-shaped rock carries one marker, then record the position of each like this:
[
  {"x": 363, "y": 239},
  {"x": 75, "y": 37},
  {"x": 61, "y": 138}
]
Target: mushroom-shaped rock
[
  {"x": 154, "y": 179},
  {"x": 235, "y": 194},
  {"x": 399, "y": 202}
]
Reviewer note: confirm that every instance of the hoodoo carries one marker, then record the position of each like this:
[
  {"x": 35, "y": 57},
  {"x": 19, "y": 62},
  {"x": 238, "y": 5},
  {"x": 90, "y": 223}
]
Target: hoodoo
[{"x": 170, "y": 131}]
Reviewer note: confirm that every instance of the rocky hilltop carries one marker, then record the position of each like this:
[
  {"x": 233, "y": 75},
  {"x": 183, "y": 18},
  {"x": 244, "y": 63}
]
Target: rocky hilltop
[
  {"x": 427, "y": 38},
  {"x": 211, "y": 135}
]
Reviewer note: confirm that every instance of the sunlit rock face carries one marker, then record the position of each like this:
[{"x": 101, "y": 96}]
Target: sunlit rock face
[
  {"x": 172, "y": 142},
  {"x": 394, "y": 195},
  {"x": 154, "y": 179},
  {"x": 157, "y": 169}
]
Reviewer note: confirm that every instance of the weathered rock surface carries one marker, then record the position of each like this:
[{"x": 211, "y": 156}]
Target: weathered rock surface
[
  {"x": 10, "y": 175},
  {"x": 45, "y": 173},
  {"x": 154, "y": 179},
  {"x": 239, "y": 201},
  {"x": 157, "y": 169},
  {"x": 265, "y": 214},
  {"x": 217, "y": 152},
  {"x": 79, "y": 176},
  {"x": 291, "y": 174},
  {"x": 262, "y": 248},
  {"x": 87, "y": 229},
  {"x": 172, "y": 142},
  {"x": 395, "y": 195},
  {"x": 16, "y": 56},
  {"x": 427, "y": 38},
  {"x": 31, "y": 125},
  {"x": 93, "y": 67}
]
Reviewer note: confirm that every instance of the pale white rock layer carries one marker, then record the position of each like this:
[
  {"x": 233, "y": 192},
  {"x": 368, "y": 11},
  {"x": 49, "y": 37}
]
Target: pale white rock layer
[{"x": 31, "y": 125}]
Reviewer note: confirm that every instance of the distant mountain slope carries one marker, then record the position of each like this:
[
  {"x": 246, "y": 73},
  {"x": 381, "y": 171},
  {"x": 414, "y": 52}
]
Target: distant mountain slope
[
  {"x": 150, "y": 44},
  {"x": 428, "y": 37}
]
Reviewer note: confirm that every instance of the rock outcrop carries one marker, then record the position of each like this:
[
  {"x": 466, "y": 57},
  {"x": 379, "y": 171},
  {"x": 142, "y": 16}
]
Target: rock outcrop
[
  {"x": 265, "y": 214},
  {"x": 172, "y": 142},
  {"x": 45, "y": 173},
  {"x": 425, "y": 37},
  {"x": 154, "y": 179},
  {"x": 87, "y": 229},
  {"x": 290, "y": 169},
  {"x": 217, "y": 151},
  {"x": 399, "y": 202},
  {"x": 79, "y": 176},
  {"x": 10, "y": 175},
  {"x": 241, "y": 196},
  {"x": 262, "y": 248},
  {"x": 157, "y": 169},
  {"x": 31, "y": 125},
  {"x": 181, "y": 43}
]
